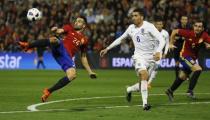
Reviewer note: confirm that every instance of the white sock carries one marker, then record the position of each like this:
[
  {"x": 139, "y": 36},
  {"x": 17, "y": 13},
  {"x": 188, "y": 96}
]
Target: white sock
[
  {"x": 152, "y": 76},
  {"x": 144, "y": 91},
  {"x": 133, "y": 88}
]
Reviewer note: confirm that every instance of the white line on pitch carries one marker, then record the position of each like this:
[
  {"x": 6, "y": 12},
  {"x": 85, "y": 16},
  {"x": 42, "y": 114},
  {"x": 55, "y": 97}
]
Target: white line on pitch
[
  {"x": 107, "y": 107},
  {"x": 33, "y": 108}
]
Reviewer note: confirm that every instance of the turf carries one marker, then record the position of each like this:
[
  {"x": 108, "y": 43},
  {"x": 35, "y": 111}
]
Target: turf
[{"x": 19, "y": 89}]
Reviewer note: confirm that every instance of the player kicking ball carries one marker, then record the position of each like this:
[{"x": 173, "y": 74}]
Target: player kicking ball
[{"x": 63, "y": 51}]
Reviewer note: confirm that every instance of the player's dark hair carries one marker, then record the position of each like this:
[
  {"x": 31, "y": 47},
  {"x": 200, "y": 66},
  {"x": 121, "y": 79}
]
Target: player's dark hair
[
  {"x": 158, "y": 19},
  {"x": 140, "y": 11},
  {"x": 198, "y": 21}
]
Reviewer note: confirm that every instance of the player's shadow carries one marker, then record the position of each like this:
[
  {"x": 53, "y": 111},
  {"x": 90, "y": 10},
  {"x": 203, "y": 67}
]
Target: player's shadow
[{"x": 78, "y": 109}]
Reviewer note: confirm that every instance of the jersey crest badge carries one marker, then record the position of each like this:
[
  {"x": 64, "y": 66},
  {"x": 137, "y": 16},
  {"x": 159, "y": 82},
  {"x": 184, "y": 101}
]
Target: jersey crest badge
[{"x": 142, "y": 31}]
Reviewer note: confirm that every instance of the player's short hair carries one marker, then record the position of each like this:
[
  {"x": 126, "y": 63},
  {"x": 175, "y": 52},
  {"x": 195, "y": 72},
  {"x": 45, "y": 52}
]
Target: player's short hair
[
  {"x": 158, "y": 19},
  {"x": 84, "y": 18},
  {"x": 198, "y": 21},
  {"x": 140, "y": 11}
]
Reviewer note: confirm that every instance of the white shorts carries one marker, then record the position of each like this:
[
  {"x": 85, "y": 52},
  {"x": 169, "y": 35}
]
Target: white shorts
[{"x": 143, "y": 63}]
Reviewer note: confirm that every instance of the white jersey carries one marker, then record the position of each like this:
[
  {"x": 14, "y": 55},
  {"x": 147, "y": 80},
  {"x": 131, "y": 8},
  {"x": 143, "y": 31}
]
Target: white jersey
[
  {"x": 165, "y": 36},
  {"x": 145, "y": 39}
]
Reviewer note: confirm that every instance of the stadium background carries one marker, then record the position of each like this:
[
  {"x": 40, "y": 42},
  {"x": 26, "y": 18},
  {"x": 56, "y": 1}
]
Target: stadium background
[{"x": 107, "y": 20}]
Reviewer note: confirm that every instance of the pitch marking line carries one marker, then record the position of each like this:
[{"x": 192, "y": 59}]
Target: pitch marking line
[{"x": 33, "y": 108}]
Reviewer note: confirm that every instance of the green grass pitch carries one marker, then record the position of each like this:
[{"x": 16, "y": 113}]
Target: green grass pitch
[{"x": 102, "y": 98}]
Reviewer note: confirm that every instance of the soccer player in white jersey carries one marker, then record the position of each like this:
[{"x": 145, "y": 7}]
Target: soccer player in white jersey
[
  {"x": 159, "y": 25},
  {"x": 153, "y": 69},
  {"x": 144, "y": 36}
]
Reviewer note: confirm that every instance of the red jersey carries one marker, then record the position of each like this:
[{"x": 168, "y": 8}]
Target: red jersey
[
  {"x": 74, "y": 41},
  {"x": 192, "y": 43}
]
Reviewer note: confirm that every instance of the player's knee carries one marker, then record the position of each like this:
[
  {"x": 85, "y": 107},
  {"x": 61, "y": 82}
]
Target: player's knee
[
  {"x": 143, "y": 74},
  {"x": 196, "y": 68},
  {"x": 183, "y": 76},
  {"x": 71, "y": 76},
  {"x": 71, "y": 73}
]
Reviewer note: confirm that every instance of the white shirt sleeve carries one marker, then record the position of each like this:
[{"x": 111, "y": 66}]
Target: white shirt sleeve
[
  {"x": 167, "y": 42},
  {"x": 159, "y": 37},
  {"x": 118, "y": 40}
]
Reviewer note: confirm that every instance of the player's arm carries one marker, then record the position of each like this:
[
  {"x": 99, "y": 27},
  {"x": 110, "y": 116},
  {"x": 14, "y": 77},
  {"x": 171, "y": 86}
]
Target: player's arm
[
  {"x": 66, "y": 28},
  {"x": 181, "y": 32},
  {"x": 207, "y": 41},
  {"x": 86, "y": 65},
  {"x": 115, "y": 43},
  {"x": 207, "y": 45},
  {"x": 166, "y": 45},
  {"x": 158, "y": 36},
  {"x": 57, "y": 30},
  {"x": 172, "y": 38}
]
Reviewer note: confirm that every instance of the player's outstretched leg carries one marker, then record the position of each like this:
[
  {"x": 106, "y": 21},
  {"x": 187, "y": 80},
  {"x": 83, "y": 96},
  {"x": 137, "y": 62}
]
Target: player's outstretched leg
[
  {"x": 175, "y": 85},
  {"x": 151, "y": 78},
  {"x": 130, "y": 89},
  {"x": 36, "y": 43},
  {"x": 45, "y": 95},
  {"x": 60, "y": 84},
  {"x": 23, "y": 45},
  {"x": 128, "y": 96}
]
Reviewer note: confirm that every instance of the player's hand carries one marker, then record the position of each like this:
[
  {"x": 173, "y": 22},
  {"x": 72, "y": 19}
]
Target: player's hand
[
  {"x": 157, "y": 56},
  {"x": 103, "y": 52},
  {"x": 207, "y": 45},
  {"x": 164, "y": 56},
  {"x": 93, "y": 76},
  {"x": 172, "y": 47}
]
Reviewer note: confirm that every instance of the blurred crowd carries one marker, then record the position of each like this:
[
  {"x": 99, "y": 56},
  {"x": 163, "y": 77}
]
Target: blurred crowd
[{"x": 107, "y": 19}]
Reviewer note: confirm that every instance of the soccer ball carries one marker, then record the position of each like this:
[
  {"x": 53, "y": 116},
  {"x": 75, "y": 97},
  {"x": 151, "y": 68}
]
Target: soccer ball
[{"x": 34, "y": 14}]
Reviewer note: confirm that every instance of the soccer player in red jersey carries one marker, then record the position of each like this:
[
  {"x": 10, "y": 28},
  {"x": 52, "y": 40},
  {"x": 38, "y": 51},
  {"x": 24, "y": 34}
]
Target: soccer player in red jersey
[
  {"x": 188, "y": 56},
  {"x": 179, "y": 40},
  {"x": 63, "y": 50}
]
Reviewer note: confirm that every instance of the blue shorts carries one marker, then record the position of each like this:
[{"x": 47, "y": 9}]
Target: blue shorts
[
  {"x": 187, "y": 63},
  {"x": 61, "y": 55}
]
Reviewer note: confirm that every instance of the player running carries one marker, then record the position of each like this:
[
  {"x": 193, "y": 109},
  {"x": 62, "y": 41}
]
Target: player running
[
  {"x": 144, "y": 36},
  {"x": 153, "y": 72},
  {"x": 63, "y": 50},
  {"x": 179, "y": 40},
  {"x": 188, "y": 56},
  {"x": 153, "y": 69}
]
